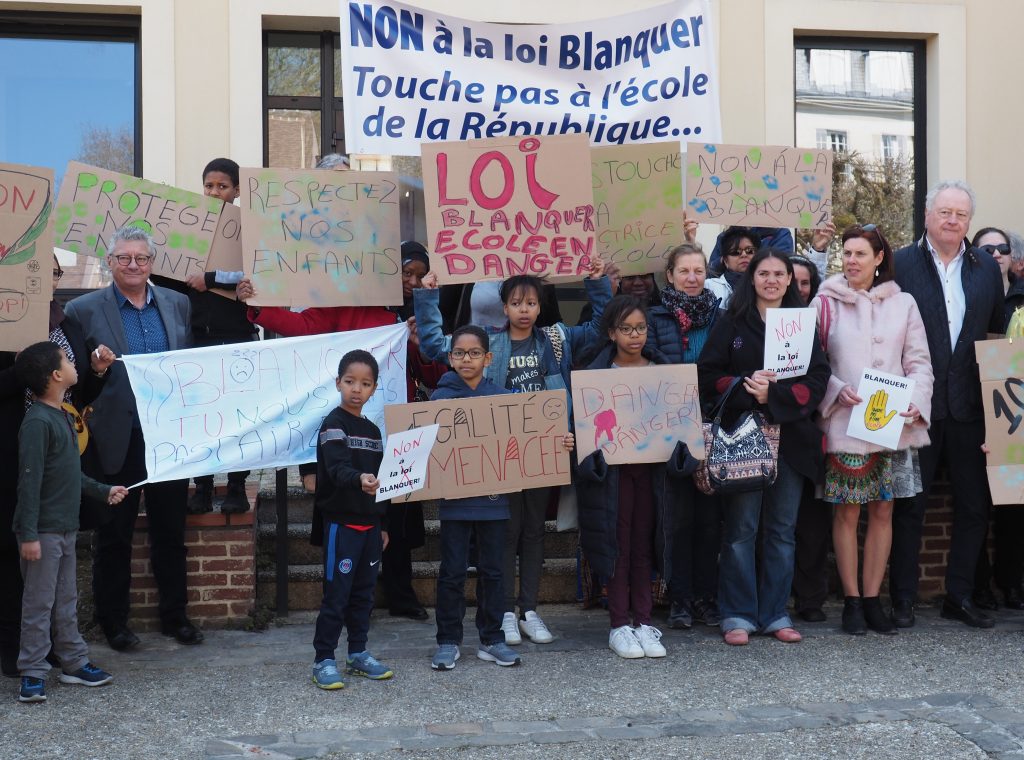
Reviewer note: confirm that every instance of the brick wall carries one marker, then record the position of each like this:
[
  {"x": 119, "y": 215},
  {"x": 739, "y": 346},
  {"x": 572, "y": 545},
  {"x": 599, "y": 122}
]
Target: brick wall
[{"x": 221, "y": 570}]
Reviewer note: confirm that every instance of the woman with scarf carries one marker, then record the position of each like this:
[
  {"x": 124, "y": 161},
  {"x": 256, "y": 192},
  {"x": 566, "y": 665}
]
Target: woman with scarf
[
  {"x": 739, "y": 244},
  {"x": 678, "y": 328},
  {"x": 14, "y": 400}
]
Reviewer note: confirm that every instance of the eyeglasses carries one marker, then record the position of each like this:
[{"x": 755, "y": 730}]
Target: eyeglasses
[
  {"x": 948, "y": 213},
  {"x": 1002, "y": 249},
  {"x": 58, "y": 273},
  {"x": 747, "y": 251},
  {"x": 473, "y": 353},
  {"x": 631, "y": 329},
  {"x": 126, "y": 260}
]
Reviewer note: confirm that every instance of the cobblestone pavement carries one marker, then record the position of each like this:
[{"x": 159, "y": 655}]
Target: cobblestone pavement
[{"x": 940, "y": 690}]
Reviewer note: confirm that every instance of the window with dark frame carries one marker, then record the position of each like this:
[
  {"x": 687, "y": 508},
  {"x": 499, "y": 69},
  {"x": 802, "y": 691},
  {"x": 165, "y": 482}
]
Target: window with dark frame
[{"x": 79, "y": 78}]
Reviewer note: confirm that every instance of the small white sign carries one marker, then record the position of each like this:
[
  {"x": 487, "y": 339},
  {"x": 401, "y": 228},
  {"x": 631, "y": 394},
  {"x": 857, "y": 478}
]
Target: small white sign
[
  {"x": 876, "y": 419},
  {"x": 789, "y": 341},
  {"x": 404, "y": 467}
]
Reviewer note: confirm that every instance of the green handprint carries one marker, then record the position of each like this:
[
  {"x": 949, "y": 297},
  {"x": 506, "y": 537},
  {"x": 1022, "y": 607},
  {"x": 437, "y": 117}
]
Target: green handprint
[{"x": 875, "y": 417}]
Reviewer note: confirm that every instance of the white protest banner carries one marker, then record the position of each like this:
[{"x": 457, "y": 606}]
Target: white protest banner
[
  {"x": 789, "y": 340},
  {"x": 247, "y": 406},
  {"x": 876, "y": 419},
  {"x": 412, "y": 75},
  {"x": 404, "y": 467}
]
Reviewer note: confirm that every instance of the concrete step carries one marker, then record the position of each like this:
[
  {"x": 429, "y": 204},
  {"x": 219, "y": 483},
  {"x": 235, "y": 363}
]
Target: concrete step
[
  {"x": 305, "y": 584},
  {"x": 300, "y": 552}
]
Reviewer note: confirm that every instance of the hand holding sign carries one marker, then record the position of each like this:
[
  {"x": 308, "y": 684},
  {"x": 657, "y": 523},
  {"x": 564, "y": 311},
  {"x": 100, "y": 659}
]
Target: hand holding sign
[{"x": 875, "y": 416}]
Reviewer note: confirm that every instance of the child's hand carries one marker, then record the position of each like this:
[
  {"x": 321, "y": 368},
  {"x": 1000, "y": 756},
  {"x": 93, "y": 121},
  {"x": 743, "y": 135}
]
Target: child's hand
[
  {"x": 369, "y": 483},
  {"x": 569, "y": 442},
  {"x": 101, "y": 358},
  {"x": 196, "y": 281},
  {"x": 985, "y": 449},
  {"x": 117, "y": 494},
  {"x": 429, "y": 281},
  {"x": 385, "y": 539},
  {"x": 244, "y": 290},
  {"x": 596, "y": 268},
  {"x": 31, "y": 551}
]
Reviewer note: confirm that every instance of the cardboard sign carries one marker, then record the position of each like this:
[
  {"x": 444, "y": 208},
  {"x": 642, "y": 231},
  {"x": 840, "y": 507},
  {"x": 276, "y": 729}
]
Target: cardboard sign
[
  {"x": 759, "y": 185},
  {"x": 876, "y": 419},
  {"x": 516, "y": 205},
  {"x": 93, "y": 203},
  {"x": 638, "y": 204},
  {"x": 26, "y": 254},
  {"x": 321, "y": 238},
  {"x": 247, "y": 406},
  {"x": 226, "y": 253},
  {"x": 404, "y": 467},
  {"x": 1001, "y": 365},
  {"x": 490, "y": 444},
  {"x": 637, "y": 414},
  {"x": 789, "y": 340}
]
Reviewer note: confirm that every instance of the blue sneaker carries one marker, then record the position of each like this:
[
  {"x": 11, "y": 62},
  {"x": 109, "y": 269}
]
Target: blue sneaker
[
  {"x": 445, "y": 657},
  {"x": 32, "y": 690},
  {"x": 326, "y": 675},
  {"x": 366, "y": 665},
  {"x": 87, "y": 675},
  {"x": 500, "y": 654}
]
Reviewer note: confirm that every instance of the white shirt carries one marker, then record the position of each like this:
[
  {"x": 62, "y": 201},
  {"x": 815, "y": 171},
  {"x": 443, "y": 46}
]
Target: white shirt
[{"x": 952, "y": 290}]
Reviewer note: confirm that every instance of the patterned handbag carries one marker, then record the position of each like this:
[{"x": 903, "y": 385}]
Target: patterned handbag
[{"x": 745, "y": 458}]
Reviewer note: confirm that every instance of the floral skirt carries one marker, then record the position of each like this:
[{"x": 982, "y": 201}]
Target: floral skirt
[{"x": 880, "y": 476}]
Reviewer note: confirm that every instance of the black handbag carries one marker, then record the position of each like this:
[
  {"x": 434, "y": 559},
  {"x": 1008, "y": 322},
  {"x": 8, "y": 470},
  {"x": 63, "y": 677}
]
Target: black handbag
[{"x": 745, "y": 458}]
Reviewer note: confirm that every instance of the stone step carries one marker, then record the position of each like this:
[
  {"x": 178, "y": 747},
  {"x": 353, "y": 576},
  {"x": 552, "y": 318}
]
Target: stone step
[
  {"x": 305, "y": 584},
  {"x": 300, "y": 552}
]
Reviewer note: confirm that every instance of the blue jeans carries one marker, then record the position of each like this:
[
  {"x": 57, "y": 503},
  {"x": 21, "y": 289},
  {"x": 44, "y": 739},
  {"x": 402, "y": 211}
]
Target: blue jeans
[
  {"x": 451, "y": 579},
  {"x": 752, "y": 595}
]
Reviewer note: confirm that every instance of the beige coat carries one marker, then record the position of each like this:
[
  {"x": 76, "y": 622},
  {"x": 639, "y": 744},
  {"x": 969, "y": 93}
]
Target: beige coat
[{"x": 877, "y": 329}]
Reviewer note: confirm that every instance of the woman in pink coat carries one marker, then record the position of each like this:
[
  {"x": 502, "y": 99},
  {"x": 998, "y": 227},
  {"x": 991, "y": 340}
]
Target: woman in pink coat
[{"x": 867, "y": 322}]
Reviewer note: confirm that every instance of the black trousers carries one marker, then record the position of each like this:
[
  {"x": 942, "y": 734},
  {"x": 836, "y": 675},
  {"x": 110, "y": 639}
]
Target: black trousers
[
  {"x": 813, "y": 537},
  {"x": 165, "y": 512},
  {"x": 351, "y": 564},
  {"x": 695, "y": 546},
  {"x": 1008, "y": 568},
  {"x": 958, "y": 445},
  {"x": 10, "y": 576}
]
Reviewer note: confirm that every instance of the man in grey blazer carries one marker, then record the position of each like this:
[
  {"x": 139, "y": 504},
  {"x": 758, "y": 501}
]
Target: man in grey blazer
[{"x": 131, "y": 316}]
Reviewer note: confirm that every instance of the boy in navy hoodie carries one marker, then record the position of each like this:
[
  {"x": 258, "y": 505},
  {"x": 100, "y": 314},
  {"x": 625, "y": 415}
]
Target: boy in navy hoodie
[
  {"x": 349, "y": 451},
  {"x": 484, "y": 516}
]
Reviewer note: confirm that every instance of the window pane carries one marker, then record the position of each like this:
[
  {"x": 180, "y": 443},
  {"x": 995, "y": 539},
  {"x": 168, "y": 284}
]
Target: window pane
[
  {"x": 293, "y": 138},
  {"x": 293, "y": 64},
  {"x": 860, "y": 104},
  {"x": 337, "y": 67},
  {"x": 70, "y": 100}
]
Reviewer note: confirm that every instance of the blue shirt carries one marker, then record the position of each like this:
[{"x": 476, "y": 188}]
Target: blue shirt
[{"x": 144, "y": 330}]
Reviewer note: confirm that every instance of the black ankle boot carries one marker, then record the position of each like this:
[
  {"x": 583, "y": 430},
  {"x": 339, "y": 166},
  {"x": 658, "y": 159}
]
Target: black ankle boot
[
  {"x": 875, "y": 616},
  {"x": 201, "y": 501},
  {"x": 853, "y": 617},
  {"x": 235, "y": 502}
]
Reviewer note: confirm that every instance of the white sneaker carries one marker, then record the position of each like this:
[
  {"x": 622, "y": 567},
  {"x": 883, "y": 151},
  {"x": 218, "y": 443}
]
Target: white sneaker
[
  {"x": 510, "y": 629},
  {"x": 624, "y": 643},
  {"x": 534, "y": 629},
  {"x": 650, "y": 640}
]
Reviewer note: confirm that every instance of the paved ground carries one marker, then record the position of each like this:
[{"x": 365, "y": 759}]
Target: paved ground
[{"x": 939, "y": 691}]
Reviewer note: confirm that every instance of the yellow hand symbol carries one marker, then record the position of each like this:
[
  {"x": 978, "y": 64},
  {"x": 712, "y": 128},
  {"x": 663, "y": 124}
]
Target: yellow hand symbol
[{"x": 875, "y": 417}]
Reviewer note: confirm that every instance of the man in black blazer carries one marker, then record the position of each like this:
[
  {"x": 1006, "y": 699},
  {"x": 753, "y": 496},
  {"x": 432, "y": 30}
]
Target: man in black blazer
[
  {"x": 132, "y": 316},
  {"x": 960, "y": 295}
]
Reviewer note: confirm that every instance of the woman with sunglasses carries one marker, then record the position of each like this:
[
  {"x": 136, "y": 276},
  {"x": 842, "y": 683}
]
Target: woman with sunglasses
[
  {"x": 996, "y": 244},
  {"x": 739, "y": 244},
  {"x": 867, "y": 322}
]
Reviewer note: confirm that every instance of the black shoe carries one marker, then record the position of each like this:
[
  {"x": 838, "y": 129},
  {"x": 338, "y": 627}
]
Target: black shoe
[
  {"x": 853, "y": 617},
  {"x": 875, "y": 616},
  {"x": 706, "y": 611},
  {"x": 985, "y": 599},
  {"x": 235, "y": 502},
  {"x": 120, "y": 638},
  {"x": 680, "y": 615},
  {"x": 200, "y": 502},
  {"x": 1013, "y": 599},
  {"x": 413, "y": 613},
  {"x": 812, "y": 615},
  {"x": 966, "y": 612},
  {"x": 903, "y": 613},
  {"x": 183, "y": 631}
]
